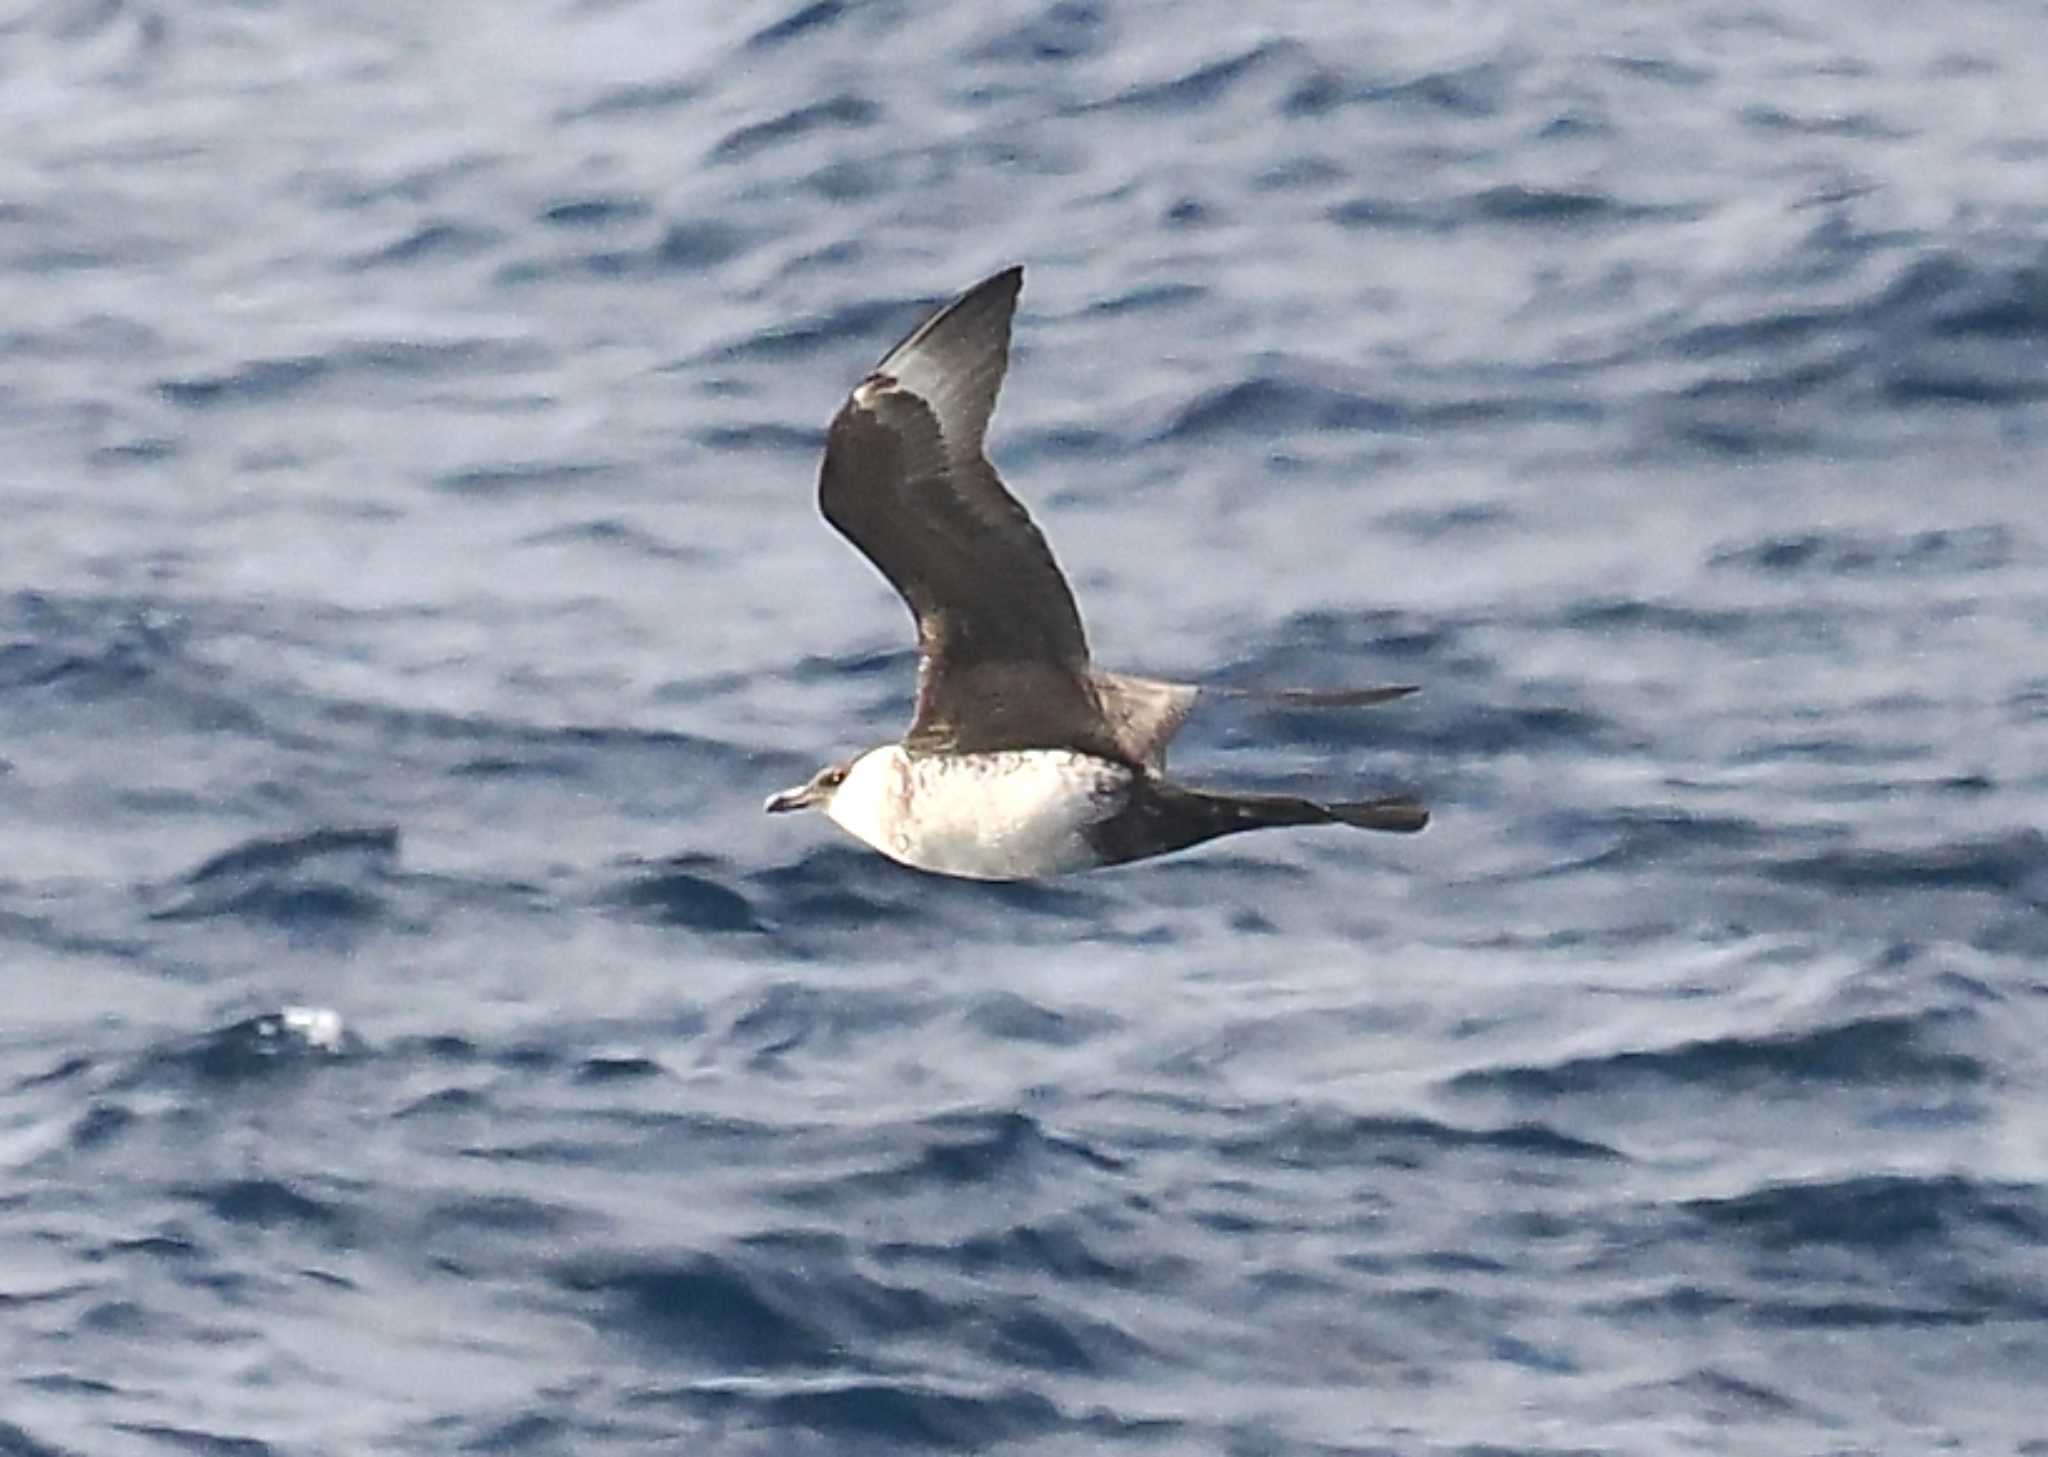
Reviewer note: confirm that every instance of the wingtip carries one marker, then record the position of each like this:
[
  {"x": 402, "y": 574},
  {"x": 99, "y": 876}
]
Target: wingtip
[
  {"x": 1007, "y": 283},
  {"x": 977, "y": 317},
  {"x": 1006, "y": 280},
  {"x": 1396, "y": 814},
  {"x": 1322, "y": 697}
]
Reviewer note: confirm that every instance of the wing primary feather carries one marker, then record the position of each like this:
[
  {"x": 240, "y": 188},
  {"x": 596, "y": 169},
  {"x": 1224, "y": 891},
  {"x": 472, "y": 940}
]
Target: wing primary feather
[{"x": 1321, "y": 697}]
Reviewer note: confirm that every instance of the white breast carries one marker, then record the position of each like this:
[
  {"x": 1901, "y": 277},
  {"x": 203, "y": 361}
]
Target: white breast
[{"x": 1015, "y": 815}]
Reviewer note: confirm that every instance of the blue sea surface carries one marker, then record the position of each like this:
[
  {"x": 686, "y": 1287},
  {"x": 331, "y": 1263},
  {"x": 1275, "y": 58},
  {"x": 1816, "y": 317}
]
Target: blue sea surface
[{"x": 414, "y": 1038}]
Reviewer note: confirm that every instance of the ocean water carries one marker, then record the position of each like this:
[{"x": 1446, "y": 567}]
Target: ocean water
[{"x": 413, "y": 1037}]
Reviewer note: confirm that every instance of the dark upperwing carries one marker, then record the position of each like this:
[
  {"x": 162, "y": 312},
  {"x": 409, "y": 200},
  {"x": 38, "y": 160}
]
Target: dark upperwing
[{"x": 1003, "y": 662}]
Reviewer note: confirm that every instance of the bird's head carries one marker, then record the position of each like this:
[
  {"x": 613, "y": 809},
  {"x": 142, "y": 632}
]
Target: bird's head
[{"x": 814, "y": 793}]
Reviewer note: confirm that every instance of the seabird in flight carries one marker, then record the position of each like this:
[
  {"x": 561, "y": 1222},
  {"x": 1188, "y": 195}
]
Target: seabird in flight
[{"x": 1023, "y": 760}]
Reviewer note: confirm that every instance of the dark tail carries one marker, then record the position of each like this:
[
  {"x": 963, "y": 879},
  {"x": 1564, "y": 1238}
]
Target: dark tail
[
  {"x": 1165, "y": 816},
  {"x": 1396, "y": 813},
  {"x": 1161, "y": 816}
]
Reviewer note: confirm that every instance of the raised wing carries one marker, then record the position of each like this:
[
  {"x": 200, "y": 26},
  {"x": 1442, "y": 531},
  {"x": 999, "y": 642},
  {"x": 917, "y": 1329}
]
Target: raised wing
[
  {"x": 1144, "y": 714},
  {"x": 1003, "y": 662}
]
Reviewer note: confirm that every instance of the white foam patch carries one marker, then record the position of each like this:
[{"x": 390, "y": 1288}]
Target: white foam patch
[{"x": 318, "y": 1027}]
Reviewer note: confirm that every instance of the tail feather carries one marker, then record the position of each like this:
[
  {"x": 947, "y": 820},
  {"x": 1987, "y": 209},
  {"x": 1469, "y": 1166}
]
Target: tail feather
[
  {"x": 1162, "y": 816},
  {"x": 1398, "y": 814}
]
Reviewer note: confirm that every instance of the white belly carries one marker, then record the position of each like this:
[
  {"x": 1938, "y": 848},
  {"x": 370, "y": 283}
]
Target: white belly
[{"x": 1015, "y": 815}]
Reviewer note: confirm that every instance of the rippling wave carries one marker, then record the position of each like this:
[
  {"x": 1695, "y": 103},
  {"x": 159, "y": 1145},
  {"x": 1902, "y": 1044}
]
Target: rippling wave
[{"x": 415, "y": 1038}]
